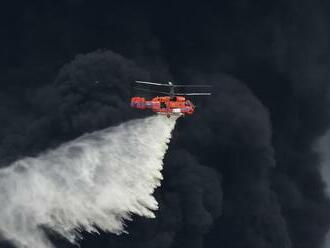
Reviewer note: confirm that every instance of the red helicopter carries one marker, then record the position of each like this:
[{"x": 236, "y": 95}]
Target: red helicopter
[{"x": 171, "y": 104}]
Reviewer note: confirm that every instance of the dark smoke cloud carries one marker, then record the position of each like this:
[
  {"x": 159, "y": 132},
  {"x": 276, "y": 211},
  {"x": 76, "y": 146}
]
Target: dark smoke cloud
[
  {"x": 237, "y": 142},
  {"x": 90, "y": 93},
  {"x": 241, "y": 171}
]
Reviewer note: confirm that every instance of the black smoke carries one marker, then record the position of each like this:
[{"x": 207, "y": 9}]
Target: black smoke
[{"x": 241, "y": 172}]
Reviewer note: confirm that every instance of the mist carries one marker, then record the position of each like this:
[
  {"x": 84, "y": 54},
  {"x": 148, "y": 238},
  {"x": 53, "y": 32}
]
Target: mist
[{"x": 94, "y": 182}]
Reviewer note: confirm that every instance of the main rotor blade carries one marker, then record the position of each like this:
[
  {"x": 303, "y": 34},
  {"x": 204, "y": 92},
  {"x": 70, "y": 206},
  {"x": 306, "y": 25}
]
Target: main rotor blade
[
  {"x": 151, "y": 91},
  {"x": 176, "y": 85},
  {"x": 193, "y": 94},
  {"x": 150, "y": 83},
  {"x": 193, "y": 85}
]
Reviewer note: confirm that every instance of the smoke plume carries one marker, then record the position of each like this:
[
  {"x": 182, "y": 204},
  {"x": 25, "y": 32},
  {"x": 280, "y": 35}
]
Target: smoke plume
[{"x": 94, "y": 182}]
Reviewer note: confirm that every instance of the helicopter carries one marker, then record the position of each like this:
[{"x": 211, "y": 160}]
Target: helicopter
[{"x": 173, "y": 103}]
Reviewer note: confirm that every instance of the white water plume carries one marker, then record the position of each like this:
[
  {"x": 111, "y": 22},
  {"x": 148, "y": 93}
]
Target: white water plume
[{"x": 97, "y": 180}]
